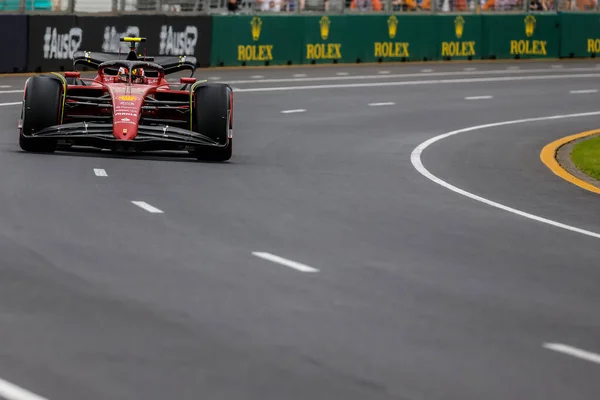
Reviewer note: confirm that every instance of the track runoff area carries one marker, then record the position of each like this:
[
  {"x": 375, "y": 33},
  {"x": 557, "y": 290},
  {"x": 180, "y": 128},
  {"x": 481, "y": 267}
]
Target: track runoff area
[{"x": 393, "y": 224}]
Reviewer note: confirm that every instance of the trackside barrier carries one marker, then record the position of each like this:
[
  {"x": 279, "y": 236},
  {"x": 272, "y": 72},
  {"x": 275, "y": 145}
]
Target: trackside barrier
[
  {"x": 53, "y": 39},
  {"x": 47, "y": 42},
  {"x": 14, "y": 30},
  {"x": 268, "y": 40},
  {"x": 521, "y": 36},
  {"x": 580, "y": 35}
]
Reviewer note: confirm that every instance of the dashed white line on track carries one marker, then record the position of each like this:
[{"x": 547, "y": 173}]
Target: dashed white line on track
[
  {"x": 415, "y": 159},
  {"x": 389, "y": 103},
  {"x": 11, "y": 91},
  {"x": 585, "y": 91},
  {"x": 300, "y": 110},
  {"x": 257, "y": 76},
  {"x": 299, "y": 75},
  {"x": 14, "y": 103},
  {"x": 145, "y": 206},
  {"x": 100, "y": 172},
  {"x": 8, "y": 391},
  {"x": 214, "y": 78},
  {"x": 341, "y": 73},
  {"x": 573, "y": 351},
  {"x": 284, "y": 261},
  {"x": 479, "y": 97},
  {"x": 471, "y": 69},
  {"x": 426, "y": 70},
  {"x": 384, "y": 72},
  {"x": 5, "y": 86}
]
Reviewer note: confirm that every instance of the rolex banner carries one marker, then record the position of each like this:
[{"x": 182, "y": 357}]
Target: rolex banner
[
  {"x": 367, "y": 38},
  {"x": 459, "y": 37},
  {"x": 256, "y": 40},
  {"x": 521, "y": 36},
  {"x": 398, "y": 37},
  {"x": 580, "y": 34}
]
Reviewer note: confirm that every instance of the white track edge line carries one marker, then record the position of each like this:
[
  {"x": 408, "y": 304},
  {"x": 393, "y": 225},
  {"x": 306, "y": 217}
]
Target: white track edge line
[
  {"x": 422, "y": 82},
  {"x": 284, "y": 261},
  {"x": 573, "y": 351},
  {"x": 415, "y": 159},
  {"x": 100, "y": 172},
  {"x": 342, "y": 76},
  {"x": 10, "y": 391}
]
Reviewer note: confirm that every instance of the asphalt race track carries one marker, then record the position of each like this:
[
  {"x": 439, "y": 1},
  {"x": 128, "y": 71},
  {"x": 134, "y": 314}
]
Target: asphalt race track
[{"x": 404, "y": 289}]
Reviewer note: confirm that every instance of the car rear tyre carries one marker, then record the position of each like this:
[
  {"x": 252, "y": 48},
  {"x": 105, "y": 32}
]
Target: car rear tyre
[
  {"x": 41, "y": 109},
  {"x": 213, "y": 115}
]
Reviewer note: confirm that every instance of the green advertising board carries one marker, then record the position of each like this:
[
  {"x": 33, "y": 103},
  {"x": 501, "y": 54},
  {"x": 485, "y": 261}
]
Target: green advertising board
[
  {"x": 580, "y": 34},
  {"x": 256, "y": 40},
  {"x": 397, "y": 37},
  {"x": 308, "y": 39},
  {"x": 367, "y": 38},
  {"x": 330, "y": 39},
  {"x": 521, "y": 36},
  {"x": 459, "y": 37}
]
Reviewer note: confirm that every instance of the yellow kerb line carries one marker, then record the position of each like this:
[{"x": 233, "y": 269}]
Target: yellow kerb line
[{"x": 548, "y": 157}]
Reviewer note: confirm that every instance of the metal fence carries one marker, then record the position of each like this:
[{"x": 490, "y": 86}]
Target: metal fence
[{"x": 292, "y": 6}]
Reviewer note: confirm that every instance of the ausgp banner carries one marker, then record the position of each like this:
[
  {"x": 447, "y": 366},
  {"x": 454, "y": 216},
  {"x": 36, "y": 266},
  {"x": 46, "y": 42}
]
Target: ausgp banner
[
  {"x": 52, "y": 42},
  {"x": 190, "y": 36},
  {"x": 54, "y": 39}
]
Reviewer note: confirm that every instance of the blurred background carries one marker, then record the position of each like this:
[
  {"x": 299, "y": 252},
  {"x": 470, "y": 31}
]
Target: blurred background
[{"x": 292, "y": 6}]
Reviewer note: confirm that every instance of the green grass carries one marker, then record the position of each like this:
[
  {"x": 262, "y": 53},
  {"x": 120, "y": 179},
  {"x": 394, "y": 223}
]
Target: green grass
[{"x": 586, "y": 156}]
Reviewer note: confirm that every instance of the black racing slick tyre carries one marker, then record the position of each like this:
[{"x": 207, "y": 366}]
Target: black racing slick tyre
[
  {"x": 213, "y": 113},
  {"x": 41, "y": 109}
]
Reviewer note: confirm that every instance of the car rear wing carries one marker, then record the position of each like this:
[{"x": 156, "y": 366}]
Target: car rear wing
[{"x": 170, "y": 64}]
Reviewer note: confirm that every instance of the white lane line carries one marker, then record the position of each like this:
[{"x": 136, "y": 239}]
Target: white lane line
[
  {"x": 11, "y": 91},
  {"x": 299, "y": 75},
  {"x": 345, "y": 76},
  {"x": 584, "y": 91},
  {"x": 147, "y": 207},
  {"x": 214, "y": 78},
  {"x": 257, "y": 76},
  {"x": 384, "y": 72},
  {"x": 422, "y": 82},
  {"x": 5, "y": 86},
  {"x": 8, "y": 391},
  {"x": 415, "y": 158},
  {"x": 426, "y": 70},
  {"x": 471, "y": 69},
  {"x": 389, "y": 103},
  {"x": 300, "y": 110},
  {"x": 573, "y": 351},
  {"x": 479, "y": 97},
  {"x": 284, "y": 261},
  {"x": 14, "y": 103},
  {"x": 100, "y": 172}
]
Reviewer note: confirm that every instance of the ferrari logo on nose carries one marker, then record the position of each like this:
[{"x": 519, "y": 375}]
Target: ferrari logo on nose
[{"x": 124, "y": 130}]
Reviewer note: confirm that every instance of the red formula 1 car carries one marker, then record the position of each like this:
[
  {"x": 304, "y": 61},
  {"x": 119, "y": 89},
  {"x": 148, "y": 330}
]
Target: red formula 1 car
[{"x": 128, "y": 106}]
